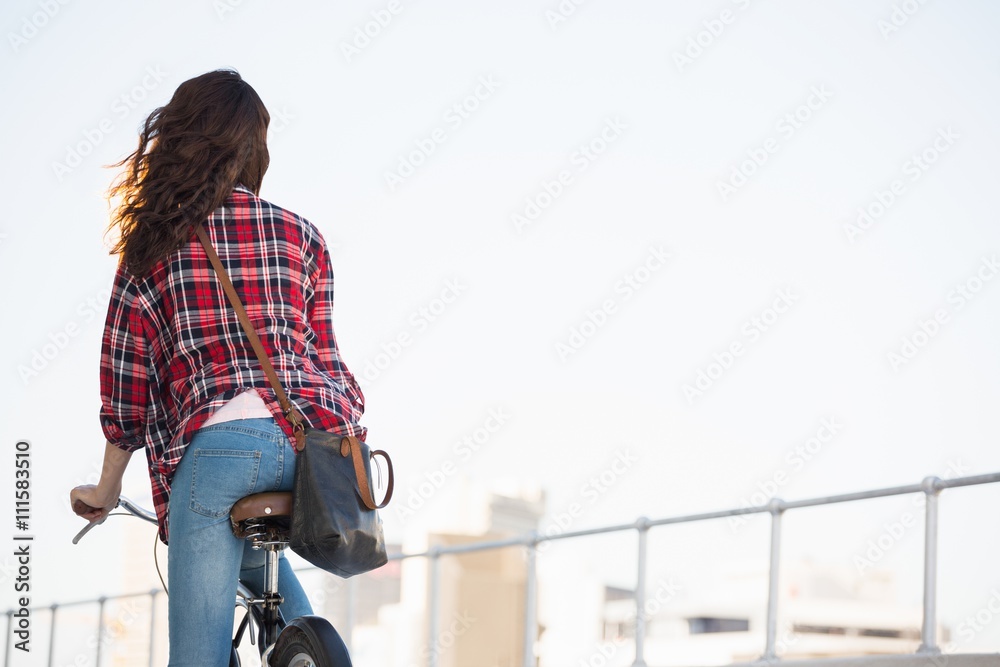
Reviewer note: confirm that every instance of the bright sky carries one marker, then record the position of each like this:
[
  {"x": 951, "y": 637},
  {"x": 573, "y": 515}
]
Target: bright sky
[{"x": 592, "y": 235}]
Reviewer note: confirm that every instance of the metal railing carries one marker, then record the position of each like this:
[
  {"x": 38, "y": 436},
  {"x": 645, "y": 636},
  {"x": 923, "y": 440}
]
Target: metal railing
[
  {"x": 100, "y": 641},
  {"x": 931, "y": 487}
]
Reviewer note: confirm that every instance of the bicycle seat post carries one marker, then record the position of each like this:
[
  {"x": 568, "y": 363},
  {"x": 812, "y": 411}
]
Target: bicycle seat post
[
  {"x": 263, "y": 518},
  {"x": 271, "y": 567},
  {"x": 272, "y": 599}
]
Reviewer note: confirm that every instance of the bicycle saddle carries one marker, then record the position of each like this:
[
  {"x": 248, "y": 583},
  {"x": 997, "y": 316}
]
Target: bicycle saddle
[{"x": 262, "y": 515}]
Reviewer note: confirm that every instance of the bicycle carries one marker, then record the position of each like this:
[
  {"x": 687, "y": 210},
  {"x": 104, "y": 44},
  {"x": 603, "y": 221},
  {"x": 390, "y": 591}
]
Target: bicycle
[{"x": 307, "y": 641}]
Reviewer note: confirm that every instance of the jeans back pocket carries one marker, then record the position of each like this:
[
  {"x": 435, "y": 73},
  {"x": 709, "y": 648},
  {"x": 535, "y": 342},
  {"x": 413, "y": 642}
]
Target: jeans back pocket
[{"x": 220, "y": 477}]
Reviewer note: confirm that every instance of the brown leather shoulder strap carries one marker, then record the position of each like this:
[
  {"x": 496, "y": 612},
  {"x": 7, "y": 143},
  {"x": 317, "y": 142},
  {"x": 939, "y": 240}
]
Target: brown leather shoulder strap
[{"x": 298, "y": 426}]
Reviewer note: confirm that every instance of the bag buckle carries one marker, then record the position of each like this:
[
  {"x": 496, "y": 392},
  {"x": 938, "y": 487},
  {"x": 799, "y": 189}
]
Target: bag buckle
[{"x": 298, "y": 428}]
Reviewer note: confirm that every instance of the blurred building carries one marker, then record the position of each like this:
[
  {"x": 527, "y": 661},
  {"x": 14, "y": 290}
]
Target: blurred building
[
  {"x": 356, "y": 602},
  {"x": 823, "y": 612},
  {"x": 480, "y": 602}
]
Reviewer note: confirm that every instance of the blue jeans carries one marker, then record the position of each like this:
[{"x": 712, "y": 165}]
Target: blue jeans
[{"x": 223, "y": 463}]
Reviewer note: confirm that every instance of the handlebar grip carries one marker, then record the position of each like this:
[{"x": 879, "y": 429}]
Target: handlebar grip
[{"x": 81, "y": 507}]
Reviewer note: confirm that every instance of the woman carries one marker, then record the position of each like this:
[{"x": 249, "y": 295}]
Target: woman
[{"x": 179, "y": 377}]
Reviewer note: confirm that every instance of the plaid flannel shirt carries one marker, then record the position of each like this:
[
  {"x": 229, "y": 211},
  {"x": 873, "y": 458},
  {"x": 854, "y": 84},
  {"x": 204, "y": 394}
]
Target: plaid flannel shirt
[{"x": 173, "y": 350}]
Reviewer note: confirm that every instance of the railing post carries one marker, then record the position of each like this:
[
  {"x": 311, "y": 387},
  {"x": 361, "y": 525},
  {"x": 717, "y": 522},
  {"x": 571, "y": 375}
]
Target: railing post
[
  {"x": 928, "y": 635},
  {"x": 152, "y": 623},
  {"x": 352, "y": 605},
  {"x": 100, "y": 628},
  {"x": 434, "y": 608},
  {"x": 642, "y": 526},
  {"x": 530, "y": 601},
  {"x": 775, "y": 507},
  {"x": 52, "y": 635}
]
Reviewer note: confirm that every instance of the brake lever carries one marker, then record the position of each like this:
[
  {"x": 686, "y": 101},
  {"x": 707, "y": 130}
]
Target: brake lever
[
  {"x": 95, "y": 522},
  {"x": 86, "y": 529}
]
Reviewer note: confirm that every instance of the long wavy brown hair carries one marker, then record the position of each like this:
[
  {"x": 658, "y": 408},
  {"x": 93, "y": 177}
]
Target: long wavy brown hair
[{"x": 211, "y": 136}]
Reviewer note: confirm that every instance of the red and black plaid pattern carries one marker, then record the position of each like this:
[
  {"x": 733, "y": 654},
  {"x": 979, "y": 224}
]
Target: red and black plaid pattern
[{"x": 173, "y": 350}]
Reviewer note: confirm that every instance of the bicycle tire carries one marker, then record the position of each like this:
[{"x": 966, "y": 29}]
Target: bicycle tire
[{"x": 309, "y": 641}]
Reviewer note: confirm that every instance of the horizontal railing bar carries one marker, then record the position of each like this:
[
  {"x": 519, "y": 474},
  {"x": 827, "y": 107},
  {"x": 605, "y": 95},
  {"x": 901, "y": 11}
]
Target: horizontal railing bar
[
  {"x": 78, "y": 603},
  {"x": 531, "y": 539},
  {"x": 704, "y": 516},
  {"x": 469, "y": 548},
  {"x": 521, "y": 541},
  {"x": 968, "y": 481},
  {"x": 849, "y": 497},
  {"x": 587, "y": 532}
]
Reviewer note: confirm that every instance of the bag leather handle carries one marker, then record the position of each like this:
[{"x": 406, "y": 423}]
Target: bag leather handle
[
  {"x": 293, "y": 416},
  {"x": 349, "y": 446}
]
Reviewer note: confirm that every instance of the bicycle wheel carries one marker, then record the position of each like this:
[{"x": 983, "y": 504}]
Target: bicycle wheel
[{"x": 309, "y": 641}]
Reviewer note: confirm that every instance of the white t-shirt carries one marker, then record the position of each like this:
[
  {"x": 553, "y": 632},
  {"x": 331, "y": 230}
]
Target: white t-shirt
[{"x": 248, "y": 405}]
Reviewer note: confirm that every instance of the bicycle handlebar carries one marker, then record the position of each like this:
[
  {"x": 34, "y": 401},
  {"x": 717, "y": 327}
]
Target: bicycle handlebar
[
  {"x": 136, "y": 510},
  {"x": 125, "y": 504}
]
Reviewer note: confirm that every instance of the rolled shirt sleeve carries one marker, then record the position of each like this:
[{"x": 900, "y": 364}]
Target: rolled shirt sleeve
[{"x": 123, "y": 373}]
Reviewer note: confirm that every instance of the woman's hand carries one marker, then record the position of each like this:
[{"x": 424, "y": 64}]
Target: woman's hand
[
  {"x": 92, "y": 502},
  {"x": 96, "y": 502}
]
